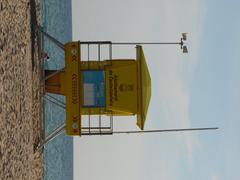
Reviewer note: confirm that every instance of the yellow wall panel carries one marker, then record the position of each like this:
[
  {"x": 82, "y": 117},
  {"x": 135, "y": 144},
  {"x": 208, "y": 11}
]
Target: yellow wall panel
[{"x": 73, "y": 88}]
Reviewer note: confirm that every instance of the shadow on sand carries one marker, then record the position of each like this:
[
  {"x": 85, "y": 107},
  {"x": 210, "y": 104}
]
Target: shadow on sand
[{"x": 33, "y": 20}]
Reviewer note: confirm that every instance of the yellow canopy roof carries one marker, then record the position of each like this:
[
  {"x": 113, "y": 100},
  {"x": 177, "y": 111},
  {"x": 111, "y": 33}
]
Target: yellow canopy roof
[{"x": 144, "y": 88}]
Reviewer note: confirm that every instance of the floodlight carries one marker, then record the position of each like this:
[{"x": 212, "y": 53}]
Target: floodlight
[
  {"x": 184, "y": 36},
  {"x": 185, "y": 50}
]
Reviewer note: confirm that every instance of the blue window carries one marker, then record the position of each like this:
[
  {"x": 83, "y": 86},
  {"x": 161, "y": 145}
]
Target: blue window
[{"x": 94, "y": 89}]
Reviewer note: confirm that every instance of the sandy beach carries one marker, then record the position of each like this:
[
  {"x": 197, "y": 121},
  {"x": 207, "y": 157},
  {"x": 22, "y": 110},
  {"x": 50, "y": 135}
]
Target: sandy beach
[{"x": 20, "y": 122}]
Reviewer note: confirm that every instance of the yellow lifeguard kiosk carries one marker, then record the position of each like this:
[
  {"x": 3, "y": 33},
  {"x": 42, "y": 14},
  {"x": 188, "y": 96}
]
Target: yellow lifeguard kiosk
[
  {"x": 112, "y": 87},
  {"x": 103, "y": 88}
]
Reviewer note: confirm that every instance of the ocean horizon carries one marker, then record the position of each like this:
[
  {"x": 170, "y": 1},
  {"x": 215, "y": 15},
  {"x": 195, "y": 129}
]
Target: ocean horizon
[{"x": 56, "y": 19}]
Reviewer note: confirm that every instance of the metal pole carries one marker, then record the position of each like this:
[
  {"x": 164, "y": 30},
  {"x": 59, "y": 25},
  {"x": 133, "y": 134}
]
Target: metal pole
[
  {"x": 51, "y": 136},
  {"x": 59, "y": 105},
  {"x": 127, "y": 43},
  {"x": 95, "y": 42},
  {"x": 53, "y": 74},
  {"x": 164, "y": 130},
  {"x": 58, "y": 43},
  {"x": 57, "y": 100},
  {"x": 145, "y": 43}
]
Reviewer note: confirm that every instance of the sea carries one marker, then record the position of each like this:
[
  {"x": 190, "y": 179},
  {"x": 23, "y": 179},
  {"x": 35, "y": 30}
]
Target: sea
[{"x": 56, "y": 19}]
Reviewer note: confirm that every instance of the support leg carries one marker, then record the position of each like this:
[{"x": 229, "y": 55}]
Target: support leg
[
  {"x": 55, "y": 41},
  {"x": 51, "y": 136}
]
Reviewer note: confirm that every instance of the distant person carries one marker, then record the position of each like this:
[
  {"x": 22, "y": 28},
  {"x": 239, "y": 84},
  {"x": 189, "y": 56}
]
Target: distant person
[{"x": 45, "y": 56}]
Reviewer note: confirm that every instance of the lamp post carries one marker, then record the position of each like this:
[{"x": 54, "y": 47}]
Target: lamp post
[
  {"x": 183, "y": 39},
  {"x": 181, "y": 43}
]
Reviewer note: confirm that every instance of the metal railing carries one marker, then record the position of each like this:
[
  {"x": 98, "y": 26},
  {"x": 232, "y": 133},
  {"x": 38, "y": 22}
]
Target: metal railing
[{"x": 90, "y": 128}]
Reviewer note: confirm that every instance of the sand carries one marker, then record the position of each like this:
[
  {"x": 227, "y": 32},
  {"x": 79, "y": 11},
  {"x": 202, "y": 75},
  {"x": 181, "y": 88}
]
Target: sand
[{"x": 20, "y": 122}]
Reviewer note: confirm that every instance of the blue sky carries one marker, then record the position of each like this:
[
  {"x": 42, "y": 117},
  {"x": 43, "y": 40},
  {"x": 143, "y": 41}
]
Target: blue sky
[
  {"x": 215, "y": 90},
  {"x": 199, "y": 89}
]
